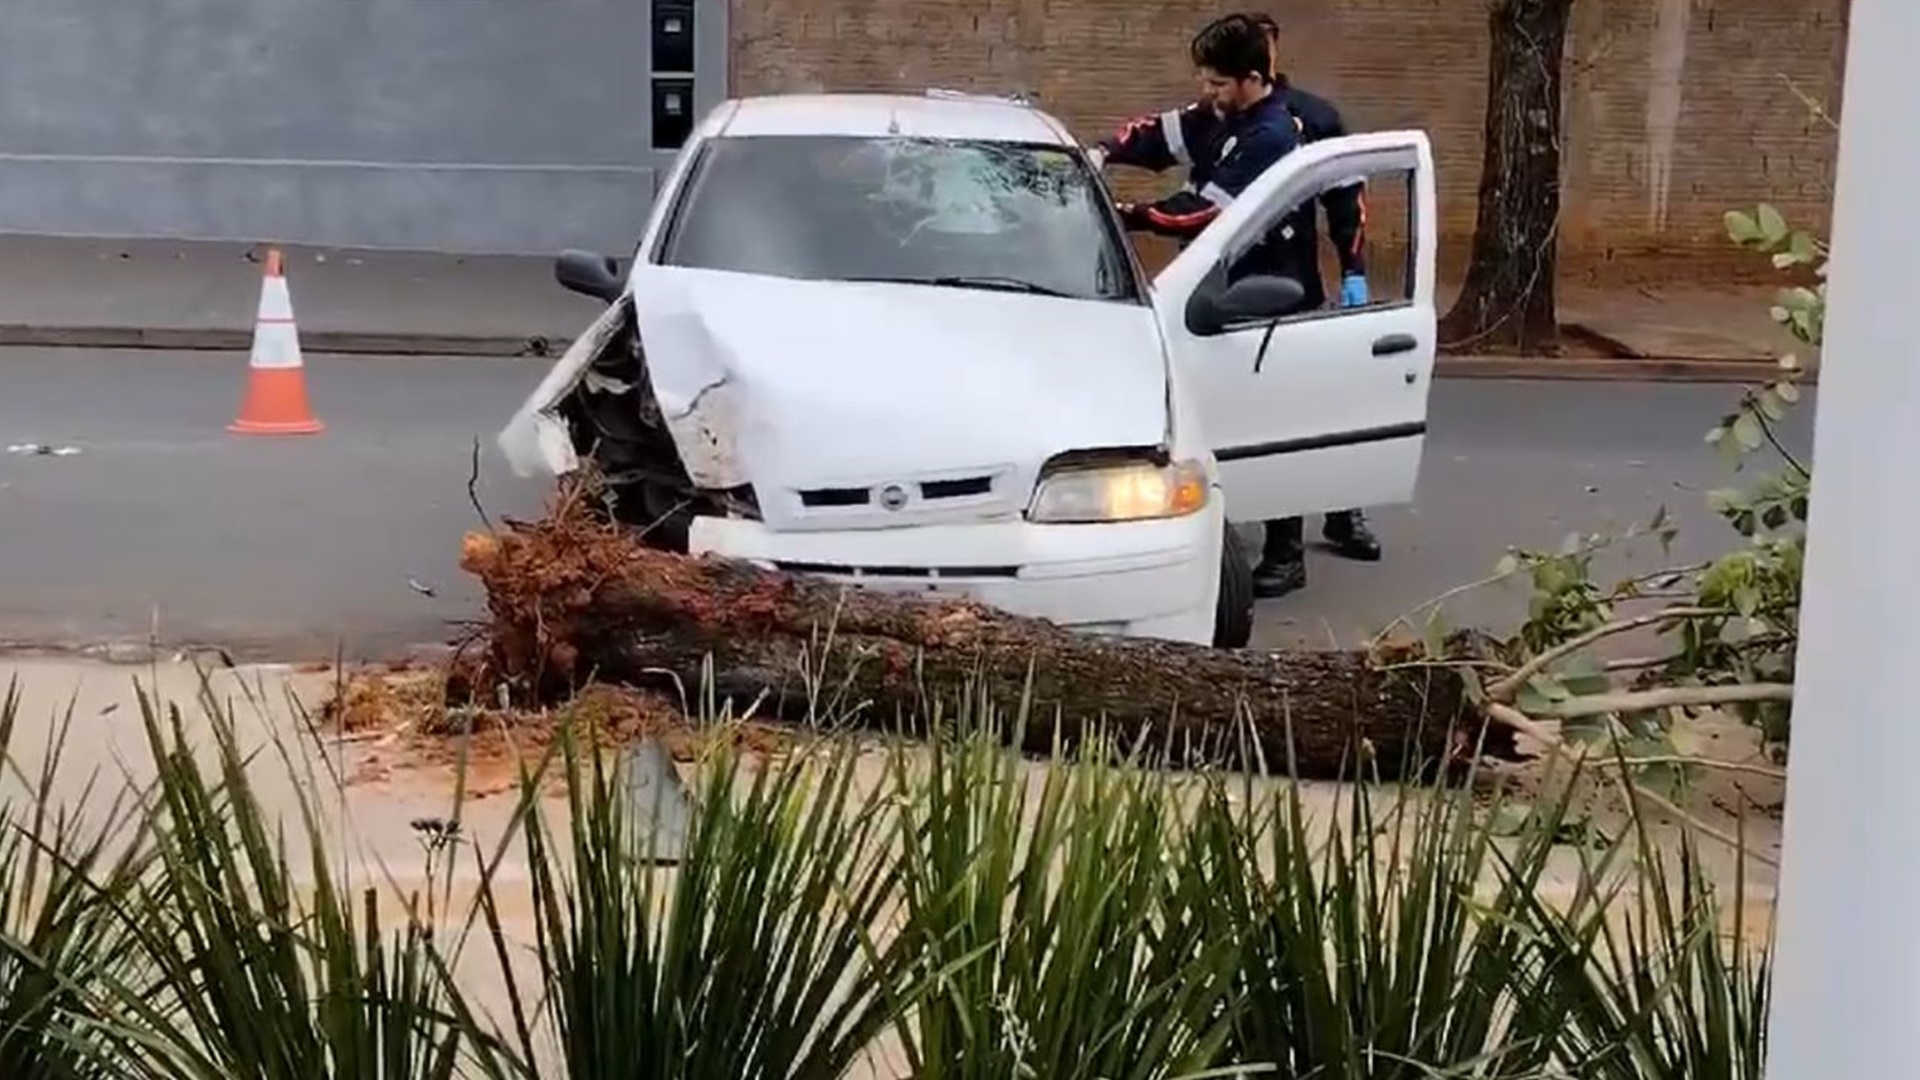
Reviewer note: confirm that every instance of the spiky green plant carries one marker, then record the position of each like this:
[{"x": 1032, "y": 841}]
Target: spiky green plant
[
  {"x": 1066, "y": 946},
  {"x": 1372, "y": 956},
  {"x": 263, "y": 982},
  {"x": 64, "y": 955},
  {"x": 1668, "y": 988},
  {"x": 1059, "y": 920},
  {"x": 753, "y": 958}
]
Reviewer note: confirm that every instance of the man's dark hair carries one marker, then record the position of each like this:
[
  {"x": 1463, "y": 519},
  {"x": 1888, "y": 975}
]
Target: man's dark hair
[
  {"x": 1234, "y": 46},
  {"x": 1264, "y": 21},
  {"x": 1270, "y": 29}
]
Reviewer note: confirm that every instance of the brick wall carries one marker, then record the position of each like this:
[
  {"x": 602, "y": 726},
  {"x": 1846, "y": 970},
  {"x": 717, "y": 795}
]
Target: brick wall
[{"x": 1676, "y": 109}]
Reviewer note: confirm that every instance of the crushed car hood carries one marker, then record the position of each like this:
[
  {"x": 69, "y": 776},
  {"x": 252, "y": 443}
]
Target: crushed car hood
[{"x": 795, "y": 384}]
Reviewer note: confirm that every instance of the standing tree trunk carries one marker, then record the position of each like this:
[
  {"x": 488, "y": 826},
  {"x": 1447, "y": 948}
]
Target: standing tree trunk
[{"x": 1507, "y": 304}]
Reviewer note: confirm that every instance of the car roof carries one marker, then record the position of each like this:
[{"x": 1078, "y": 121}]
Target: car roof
[{"x": 932, "y": 116}]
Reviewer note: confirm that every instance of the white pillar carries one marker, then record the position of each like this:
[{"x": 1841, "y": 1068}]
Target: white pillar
[{"x": 1847, "y": 985}]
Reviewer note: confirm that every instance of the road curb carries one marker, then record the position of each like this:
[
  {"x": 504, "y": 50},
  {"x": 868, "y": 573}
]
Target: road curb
[
  {"x": 353, "y": 343},
  {"x": 1610, "y": 369},
  {"x": 337, "y": 342}
]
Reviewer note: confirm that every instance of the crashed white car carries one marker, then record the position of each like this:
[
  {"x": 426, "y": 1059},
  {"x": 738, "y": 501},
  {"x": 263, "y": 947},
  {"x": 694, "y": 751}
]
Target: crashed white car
[{"x": 904, "y": 342}]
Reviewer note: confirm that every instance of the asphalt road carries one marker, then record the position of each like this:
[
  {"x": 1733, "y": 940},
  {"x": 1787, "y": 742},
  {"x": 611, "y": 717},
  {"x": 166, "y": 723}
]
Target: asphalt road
[{"x": 289, "y": 548}]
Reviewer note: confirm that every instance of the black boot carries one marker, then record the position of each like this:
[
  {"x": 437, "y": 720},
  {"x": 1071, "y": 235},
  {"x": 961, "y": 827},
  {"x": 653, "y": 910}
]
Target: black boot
[
  {"x": 1347, "y": 531},
  {"x": 1283, "y": 562}
]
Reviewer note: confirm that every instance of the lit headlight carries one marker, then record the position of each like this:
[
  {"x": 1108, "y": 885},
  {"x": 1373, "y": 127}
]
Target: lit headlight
[{"x": 1131, "y": 492}]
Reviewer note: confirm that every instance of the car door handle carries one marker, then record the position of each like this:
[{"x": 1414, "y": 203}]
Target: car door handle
[{"x": 1395, "y": 343}]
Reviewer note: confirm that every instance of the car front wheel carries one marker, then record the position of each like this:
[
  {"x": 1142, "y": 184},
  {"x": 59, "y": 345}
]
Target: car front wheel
[{"x": 1233, "y": 610}]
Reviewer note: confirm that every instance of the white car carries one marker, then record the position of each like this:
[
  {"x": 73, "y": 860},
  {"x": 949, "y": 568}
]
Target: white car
[{"x": 902, "y": 341}]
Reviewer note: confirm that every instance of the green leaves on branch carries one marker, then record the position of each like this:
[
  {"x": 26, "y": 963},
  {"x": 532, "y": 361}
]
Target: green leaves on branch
[
  {"x": 1802, "y": 310},
  {"x": 1760, "y": 583},
  {"x": 1565, "y": 599},
  {"x": 1765, "y": 229},
  {"x": 1746, "y": 603}
]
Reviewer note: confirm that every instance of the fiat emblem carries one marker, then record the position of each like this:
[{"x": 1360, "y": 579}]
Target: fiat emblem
[{"x": 893, "y": 497}]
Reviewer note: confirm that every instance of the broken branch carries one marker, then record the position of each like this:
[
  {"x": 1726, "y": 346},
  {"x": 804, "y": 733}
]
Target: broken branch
[
  {"x": 1771, "y": 772},
  {"x": 1666, "y": 697},
  {"x": 1533, "y": 729},
  {"x": 473, "y": 485},
  {"x": 1506, "y": 689}
]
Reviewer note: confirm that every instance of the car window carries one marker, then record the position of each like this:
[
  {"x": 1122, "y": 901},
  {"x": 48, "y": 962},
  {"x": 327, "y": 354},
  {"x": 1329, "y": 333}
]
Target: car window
[{"x": 840, "y": 208}]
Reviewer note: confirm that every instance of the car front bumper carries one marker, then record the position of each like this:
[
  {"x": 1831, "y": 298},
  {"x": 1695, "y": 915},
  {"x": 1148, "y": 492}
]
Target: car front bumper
[
  {"x": 1156, "y": 579},
  {"x": 536, "y": 441}
]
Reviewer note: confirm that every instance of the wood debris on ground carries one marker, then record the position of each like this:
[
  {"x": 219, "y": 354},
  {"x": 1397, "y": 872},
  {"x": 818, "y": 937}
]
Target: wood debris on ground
[{"x": 400, "y": 717}]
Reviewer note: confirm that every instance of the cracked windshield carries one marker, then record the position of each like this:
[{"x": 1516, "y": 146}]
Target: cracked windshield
[{"x": 967, "y": 214}]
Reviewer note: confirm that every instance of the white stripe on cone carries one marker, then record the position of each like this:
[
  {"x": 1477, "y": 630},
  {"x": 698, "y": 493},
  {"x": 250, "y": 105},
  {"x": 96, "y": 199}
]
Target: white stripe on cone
[{"x": 276, "y": 341}]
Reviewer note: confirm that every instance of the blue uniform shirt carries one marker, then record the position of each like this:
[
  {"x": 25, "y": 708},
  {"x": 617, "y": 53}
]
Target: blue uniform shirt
[{"x": 1249, "y": 142}]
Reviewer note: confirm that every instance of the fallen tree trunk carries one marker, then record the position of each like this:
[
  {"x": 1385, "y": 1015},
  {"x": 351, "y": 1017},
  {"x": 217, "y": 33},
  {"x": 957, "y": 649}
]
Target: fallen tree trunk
[{"x": 574, "y": 601}]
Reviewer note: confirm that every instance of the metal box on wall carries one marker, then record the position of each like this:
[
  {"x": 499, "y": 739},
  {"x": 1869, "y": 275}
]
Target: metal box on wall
[
  {"x": 673, "y": 36},
  {"x": 672, "y": 118}
]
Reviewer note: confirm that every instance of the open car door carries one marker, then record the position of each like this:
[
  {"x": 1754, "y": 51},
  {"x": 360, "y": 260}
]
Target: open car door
[{"x": 1310, "y": 410}]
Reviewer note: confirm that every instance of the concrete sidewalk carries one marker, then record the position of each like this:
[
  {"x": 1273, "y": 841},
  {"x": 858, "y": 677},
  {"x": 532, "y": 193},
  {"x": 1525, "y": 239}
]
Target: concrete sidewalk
[
  {"x": 179, "y": 295},
  {"x": 1683, "y": 322}
]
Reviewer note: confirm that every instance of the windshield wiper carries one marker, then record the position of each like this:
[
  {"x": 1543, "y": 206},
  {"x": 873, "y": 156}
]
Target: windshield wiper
[{"x": 963, "y": 281}]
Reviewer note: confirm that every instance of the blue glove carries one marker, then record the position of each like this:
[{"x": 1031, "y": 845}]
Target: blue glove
[{"x": 1353, "y": 290}]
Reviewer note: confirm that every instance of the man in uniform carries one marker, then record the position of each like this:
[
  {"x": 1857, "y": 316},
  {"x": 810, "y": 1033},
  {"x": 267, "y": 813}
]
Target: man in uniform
[
  {"x": 1283, "y": 566},
  {"x": 1186, "y": 136},
  {"x": 1238, "y": 132}
]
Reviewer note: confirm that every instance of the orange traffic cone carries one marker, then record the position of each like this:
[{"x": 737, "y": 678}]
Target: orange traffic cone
[{"x": 276, "y": 402}]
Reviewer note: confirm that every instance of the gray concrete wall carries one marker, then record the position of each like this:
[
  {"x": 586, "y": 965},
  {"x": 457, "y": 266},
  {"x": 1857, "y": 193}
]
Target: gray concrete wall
[{"x": 515, "y": 126}]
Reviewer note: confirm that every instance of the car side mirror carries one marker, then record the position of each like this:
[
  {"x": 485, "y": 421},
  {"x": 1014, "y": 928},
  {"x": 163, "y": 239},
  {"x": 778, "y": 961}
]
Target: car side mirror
[
  {"x": 1259, "y": 298},
  {"x": 589, "y": 274}
]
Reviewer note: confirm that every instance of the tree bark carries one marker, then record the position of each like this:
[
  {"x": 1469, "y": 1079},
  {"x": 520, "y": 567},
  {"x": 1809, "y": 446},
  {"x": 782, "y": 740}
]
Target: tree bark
[
  {"x": 1507, "y": 302},
  {"x": 572, "y": 601}
]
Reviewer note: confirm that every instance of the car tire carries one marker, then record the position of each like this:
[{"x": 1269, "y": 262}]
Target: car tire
[{"x": 1233, "y": 611}]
